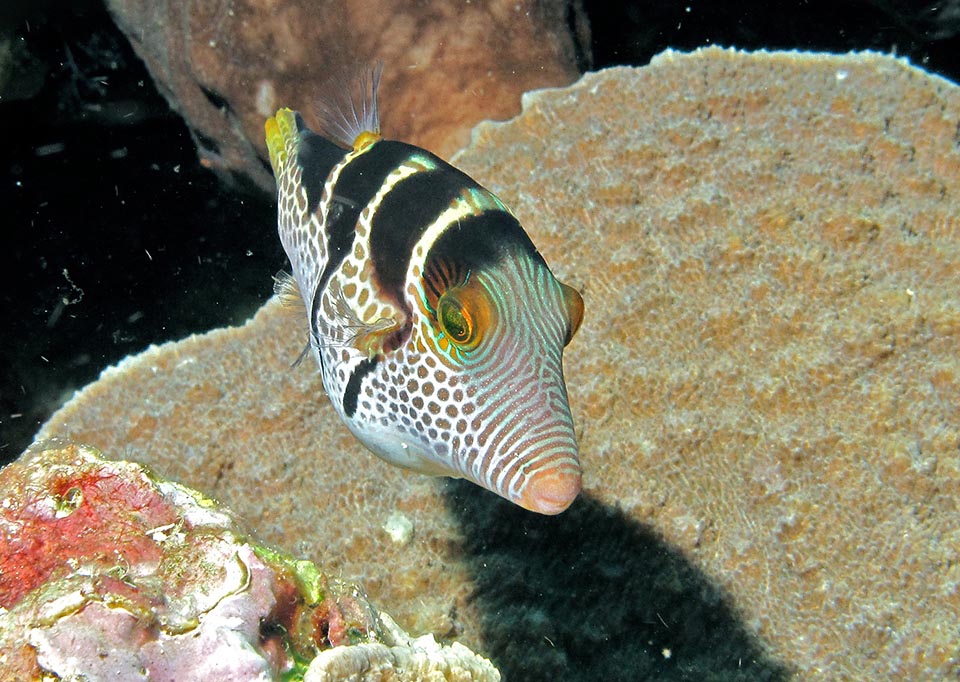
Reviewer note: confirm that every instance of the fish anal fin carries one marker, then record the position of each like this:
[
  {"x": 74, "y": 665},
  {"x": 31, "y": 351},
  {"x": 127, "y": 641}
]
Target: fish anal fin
[{"x": 285, "y": 288}]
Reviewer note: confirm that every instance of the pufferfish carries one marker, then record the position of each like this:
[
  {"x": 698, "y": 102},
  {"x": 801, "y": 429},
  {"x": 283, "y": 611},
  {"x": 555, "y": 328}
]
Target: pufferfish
[{"x": 437, "y": 325}]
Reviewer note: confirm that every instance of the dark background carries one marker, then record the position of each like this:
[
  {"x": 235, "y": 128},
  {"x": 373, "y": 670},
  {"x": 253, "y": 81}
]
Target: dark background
[{"x": 114, "y": 237}]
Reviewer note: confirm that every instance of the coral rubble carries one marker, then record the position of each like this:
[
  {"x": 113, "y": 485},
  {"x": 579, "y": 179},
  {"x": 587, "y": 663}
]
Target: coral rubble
[{"x": 766, "y": 377}]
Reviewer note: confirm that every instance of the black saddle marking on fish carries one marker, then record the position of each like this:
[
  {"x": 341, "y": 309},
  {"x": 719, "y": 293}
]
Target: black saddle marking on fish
[
  {"x": 314, "y": 327},
  {"x": 352, "y": 391},
  {"x": 405, "y": 214},
  {"x": 357, "y": 184},
  {"x": 481, "y": 240},
  {"x": 316, "y": 156}
]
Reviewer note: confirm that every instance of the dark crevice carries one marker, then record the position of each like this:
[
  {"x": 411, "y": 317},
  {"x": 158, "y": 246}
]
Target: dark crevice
[
  {"x": 207, "y": 144},
  {"x": 216, "y": 99}
]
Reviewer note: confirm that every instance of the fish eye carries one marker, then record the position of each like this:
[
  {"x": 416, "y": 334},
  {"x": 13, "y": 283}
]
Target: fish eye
[{"x": 455, "y": 320}]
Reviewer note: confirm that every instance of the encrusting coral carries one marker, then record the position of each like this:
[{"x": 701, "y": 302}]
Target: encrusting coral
[
  {"x": 108, "y": 572},
  {"x": 767, "y": 375}
]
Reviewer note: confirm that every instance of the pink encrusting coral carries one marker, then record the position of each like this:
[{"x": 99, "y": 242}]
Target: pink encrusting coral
[{"x": 107, "y": 572}]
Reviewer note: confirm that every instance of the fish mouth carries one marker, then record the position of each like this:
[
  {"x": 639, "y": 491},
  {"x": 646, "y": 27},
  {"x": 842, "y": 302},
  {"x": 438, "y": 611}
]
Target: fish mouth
[{"x": 551, "y": 492}]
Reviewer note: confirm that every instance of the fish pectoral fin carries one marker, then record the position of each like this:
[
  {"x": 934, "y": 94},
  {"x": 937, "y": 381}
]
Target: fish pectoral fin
[{"x": 373, "y": 338}]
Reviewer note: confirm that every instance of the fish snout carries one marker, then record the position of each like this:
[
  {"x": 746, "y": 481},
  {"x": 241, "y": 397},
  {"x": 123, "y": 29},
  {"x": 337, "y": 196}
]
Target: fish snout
[{"x": 551, "y": 492}]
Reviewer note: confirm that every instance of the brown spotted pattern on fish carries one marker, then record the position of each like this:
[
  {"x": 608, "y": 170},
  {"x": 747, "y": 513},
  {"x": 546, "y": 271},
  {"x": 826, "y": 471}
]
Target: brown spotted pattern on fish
[{"x": 438, "y": 327}]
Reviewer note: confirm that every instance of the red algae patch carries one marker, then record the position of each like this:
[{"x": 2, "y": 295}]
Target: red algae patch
[{"x": 56, "y": 510}]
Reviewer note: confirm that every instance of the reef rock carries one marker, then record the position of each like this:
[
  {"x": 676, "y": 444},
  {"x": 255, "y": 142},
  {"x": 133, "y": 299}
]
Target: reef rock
[
  {"x": 108, "y": 572},
  {"x": 225, "y": 66},
  {"x": 767, "y": 378}
]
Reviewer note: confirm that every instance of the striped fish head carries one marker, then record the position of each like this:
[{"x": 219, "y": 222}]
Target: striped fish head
[
  {"x": 485, "y": 380},
  {"x": 438, "y": 327}
]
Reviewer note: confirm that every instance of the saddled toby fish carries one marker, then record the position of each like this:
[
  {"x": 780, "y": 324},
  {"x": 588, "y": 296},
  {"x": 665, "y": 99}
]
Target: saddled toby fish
[{"x": 438, "y": 327}]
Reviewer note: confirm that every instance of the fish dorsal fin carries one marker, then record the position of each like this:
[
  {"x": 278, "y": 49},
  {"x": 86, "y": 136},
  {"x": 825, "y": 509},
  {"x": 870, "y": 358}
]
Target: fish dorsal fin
[{"x": 347, "y": 112}]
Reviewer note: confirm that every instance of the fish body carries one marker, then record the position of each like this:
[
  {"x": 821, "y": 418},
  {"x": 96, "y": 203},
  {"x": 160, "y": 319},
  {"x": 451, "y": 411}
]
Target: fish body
[{"x": 437, "y": 325}]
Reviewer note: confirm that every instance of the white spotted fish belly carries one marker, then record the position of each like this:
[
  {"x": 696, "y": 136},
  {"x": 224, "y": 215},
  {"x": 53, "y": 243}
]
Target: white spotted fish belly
[{"x": 438, "y": 327}]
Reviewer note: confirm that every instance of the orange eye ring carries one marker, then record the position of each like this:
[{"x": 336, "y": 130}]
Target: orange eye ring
[
  {"x": 455, "y": 320},
  {"x": 464, "y": 315}
]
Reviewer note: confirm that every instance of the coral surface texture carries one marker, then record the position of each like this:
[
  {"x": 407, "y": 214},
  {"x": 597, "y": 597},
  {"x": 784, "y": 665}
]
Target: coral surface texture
[{"x": 767, "y": 380}]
